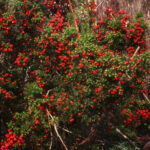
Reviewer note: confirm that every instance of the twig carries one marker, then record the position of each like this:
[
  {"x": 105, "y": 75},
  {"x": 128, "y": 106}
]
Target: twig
[
  {"x": 72, "y": 11},
  {"x": 132, "y": 58},
  {"x": 71, "y": 132},
  {"x": 90, "y": 136},
  {"x": 48, "y": 92},
  {"x": 58, "y": 73},
  {"x": 146, "y": 98},
  {"x": 136, "y": 51},
  {"x": 51, "y": 134},
  {"x": 66, "y": 130},
  {"x": 51, "y": 142},
  {"x": 125, "y": 137},
  {"x": 121, "y": 133},
  {"x": 128, "y": 75},
  {"x": 99, "y": 4},
  {"x": 57, "y": 133}
]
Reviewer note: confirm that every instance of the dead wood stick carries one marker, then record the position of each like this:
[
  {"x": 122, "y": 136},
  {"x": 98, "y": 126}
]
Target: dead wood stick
[
  {"x": 125, "y": 137},
  {"x": 136, "y": 51},
  {"x": 57, "y": 133},
  {"x": 66, "y": 130},
  {"x": 121, "y": 133},
  {"x": 132, "y": 58},
  {"x": 90, "y": 136},
  {"x": 146, "y": 98},
  {"x": 48, "y": 92},
  {"x": 51, "y": 135},
  {"x": 100, "y": 4},
  {"x": 72, "y": 11}
]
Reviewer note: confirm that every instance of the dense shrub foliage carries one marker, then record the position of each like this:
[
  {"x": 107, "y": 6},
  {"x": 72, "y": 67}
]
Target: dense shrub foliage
[{"x": 70, "y": 79}]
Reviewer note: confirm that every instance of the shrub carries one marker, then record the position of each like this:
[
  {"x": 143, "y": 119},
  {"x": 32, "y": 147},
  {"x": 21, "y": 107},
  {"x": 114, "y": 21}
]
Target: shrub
[{"x": 71, "y": 81}]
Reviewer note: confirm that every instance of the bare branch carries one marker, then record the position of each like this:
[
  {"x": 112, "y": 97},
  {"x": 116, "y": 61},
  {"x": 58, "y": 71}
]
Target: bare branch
[
  {"x": 48, "y": 92},
  {"x": 66, "y": 130},
  {"x": 51, "y": 134},
  {"x": 100, "y": 4},
  {"x": 136, "y": 51},
  {"x": 121, "y": 133},
  {"x": 146, "y": 98},
  {"x": 72, "y": 11},
  {"x": 57, "y": 133},
  {"x": 125, "y": 137}
]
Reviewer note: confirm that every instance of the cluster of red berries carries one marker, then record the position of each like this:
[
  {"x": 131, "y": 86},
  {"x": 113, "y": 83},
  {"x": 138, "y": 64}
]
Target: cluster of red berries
[{"x": 11, "y": 141}]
